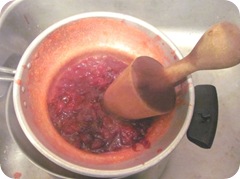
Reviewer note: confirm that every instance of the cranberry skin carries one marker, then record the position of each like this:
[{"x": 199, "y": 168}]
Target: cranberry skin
[{"x": 74, "y": 105}]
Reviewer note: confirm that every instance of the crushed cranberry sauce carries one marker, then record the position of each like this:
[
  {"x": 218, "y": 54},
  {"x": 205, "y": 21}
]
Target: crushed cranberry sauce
[{"x": 75, "y": 109}]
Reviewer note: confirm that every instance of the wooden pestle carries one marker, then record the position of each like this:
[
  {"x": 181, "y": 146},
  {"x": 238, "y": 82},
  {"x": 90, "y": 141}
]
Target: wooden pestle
[{"x": 145, "y": 88}]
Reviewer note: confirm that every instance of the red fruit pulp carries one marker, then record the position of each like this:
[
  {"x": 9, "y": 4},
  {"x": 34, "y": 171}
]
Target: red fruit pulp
[{"x": 75, "y": 109}]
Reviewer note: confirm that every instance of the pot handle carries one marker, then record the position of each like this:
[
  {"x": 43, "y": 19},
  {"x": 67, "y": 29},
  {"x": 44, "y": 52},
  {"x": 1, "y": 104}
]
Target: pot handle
[
  {"x": 3, "y": 5},
  {"x": 203, "y": 126},
  {"x": 7, "y": 71}
]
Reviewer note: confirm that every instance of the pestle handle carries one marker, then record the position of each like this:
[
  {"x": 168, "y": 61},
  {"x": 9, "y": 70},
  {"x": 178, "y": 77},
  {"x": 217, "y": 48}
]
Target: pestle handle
[
  {"x": 218, "y": 48},
  {"x": 146, "y": 88}
]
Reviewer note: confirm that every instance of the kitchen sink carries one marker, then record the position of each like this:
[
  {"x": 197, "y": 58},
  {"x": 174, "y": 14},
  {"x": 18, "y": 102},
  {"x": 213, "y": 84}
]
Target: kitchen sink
[{"x": 183, "y": 22}]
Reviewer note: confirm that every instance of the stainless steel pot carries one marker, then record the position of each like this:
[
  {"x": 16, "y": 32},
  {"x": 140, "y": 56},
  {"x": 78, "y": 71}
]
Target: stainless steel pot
[{"x": 115, "y": 33}]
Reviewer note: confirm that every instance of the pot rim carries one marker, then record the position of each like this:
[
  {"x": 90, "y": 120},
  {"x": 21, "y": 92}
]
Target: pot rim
[{"x": 55, "y": 158}]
